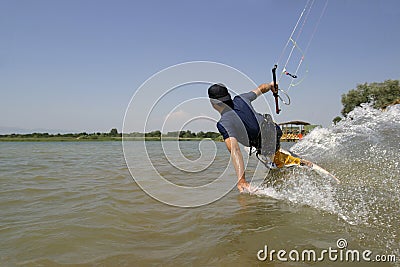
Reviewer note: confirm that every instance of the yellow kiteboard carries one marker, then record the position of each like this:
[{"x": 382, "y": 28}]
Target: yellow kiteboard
[{"x": 287, "y": 159}]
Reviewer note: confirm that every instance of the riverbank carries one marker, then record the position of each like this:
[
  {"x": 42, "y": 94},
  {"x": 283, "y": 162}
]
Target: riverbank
[
  {"x": 91, "y": 139},
  {"x": 113, "y": 135}
]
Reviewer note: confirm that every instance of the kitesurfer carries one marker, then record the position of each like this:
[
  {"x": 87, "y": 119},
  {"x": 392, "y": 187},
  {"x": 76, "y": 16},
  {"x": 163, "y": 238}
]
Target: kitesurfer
[{"x": 240, "y": 123}]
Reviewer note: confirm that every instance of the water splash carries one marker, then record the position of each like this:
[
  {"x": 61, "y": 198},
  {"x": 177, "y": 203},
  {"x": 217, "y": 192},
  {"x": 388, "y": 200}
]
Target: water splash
[
  {"x": 301, "y": 186},
  {"x": 362, "y": 150}
]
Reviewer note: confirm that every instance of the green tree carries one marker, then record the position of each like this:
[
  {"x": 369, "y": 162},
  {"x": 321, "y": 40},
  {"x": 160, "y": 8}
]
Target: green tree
[
  {"x": 201, "y": 134},
  {"x": 153, "y": 134},
  {"x": 114, "y": 132},
  {"x": 336, "y": 119},
  {"x": 187, "y": 134},
  {"x": 212, "y": 135},
  {"x": 381, "y": 94}
]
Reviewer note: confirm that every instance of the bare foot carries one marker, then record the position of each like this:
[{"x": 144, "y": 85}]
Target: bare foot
[{"x": 307, "y": 163}]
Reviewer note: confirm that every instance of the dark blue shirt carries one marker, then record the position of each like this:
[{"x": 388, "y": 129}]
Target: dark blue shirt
[{"x": 241, "y": 122}]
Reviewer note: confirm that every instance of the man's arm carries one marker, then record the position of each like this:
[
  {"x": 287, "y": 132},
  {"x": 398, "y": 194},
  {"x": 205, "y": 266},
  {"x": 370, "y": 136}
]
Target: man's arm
[
  {"x": 237, "y": 158},
  {"x": 263, "y": 88}
]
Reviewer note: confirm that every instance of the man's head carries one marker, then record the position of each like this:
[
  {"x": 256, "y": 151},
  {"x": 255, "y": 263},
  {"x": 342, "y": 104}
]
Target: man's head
[{"x": 219, "y": 96}]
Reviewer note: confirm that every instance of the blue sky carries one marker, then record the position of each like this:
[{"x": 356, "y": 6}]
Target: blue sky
[{"x": 74, "y": 65}]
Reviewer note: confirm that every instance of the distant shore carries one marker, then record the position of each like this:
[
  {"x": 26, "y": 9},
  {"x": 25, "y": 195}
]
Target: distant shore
[
  {"x": 22, "y": 138},
  {"x": 113, "y": 135},
  {"x": 56, "y": 139},
  {"x": 105, "y": 139}
]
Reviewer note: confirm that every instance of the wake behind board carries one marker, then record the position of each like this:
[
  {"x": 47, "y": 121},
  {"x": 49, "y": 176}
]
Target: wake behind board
[{"x": 318, "y": 169}]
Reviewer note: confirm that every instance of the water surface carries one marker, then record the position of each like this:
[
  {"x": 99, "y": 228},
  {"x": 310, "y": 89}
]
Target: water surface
[{"x": 76, "y": 204}]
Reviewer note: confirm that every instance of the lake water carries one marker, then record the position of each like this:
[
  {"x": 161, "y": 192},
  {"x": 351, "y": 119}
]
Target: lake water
[{"x": 76, "y": 204}]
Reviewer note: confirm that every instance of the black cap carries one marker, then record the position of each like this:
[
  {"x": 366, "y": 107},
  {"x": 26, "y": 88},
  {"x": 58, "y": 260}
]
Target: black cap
[{"x": 219, "y": 92}]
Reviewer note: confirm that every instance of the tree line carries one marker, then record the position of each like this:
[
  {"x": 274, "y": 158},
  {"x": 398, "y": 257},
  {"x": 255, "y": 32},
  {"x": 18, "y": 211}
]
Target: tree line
[{"x": 114, "y": 133}]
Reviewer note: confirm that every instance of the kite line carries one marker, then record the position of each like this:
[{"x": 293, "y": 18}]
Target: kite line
[{"x": 291, "y": 47}]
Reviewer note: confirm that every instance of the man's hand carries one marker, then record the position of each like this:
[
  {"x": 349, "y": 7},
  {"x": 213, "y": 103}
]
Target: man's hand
[
  {"x": 242, "y": 185},
  {"x": 273, "y": 88},
  {"x": 263, "y": 88}
]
